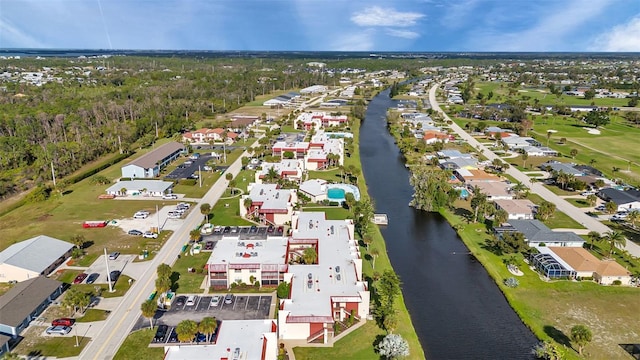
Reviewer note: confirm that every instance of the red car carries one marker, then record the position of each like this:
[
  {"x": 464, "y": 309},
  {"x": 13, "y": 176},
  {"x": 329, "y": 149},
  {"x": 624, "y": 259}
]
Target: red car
[
  {"x": 79, "y": 279},
  {"x": 63, "y": 322}
]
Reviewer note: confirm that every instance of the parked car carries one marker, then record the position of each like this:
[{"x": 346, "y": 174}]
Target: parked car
[
  {"x": 228, "y": 299},
  {"x": 173, "y": 338},
  {"x": 191, "y": 300},
  {"x": 234, "y": 229},
  {"x": 227, "y": 229},
  {"x": 208, "y": 245},
  {"x": 184, "y": 204},
  {"x": 280, "y": 229},
  {"x": 270, "y": 229},
  {"x": 141, "y": 215},
  {"x": 174, "y": 215},
  {"x": 600, "y": 208},
  {"x": 170, "y": 196},
  {"x": 215, "y": 301},
  {"x": 180, "y": 300},
  {"x": 134, "y": 232},
  {"x": 160, "y": 333},
  {"x": 114, "y": 255},
  {"x": 253, "y": 229},
  {"x": 150, "y": 235},
  {"x": 63, "y": 322},
  {"x": 115, "y": 274},
  {"x": 200, "y": 337},
  {"x": 92, "y": 278},
  {"x": 58, "y": 330},
  {"x": 80, "y": 278}
]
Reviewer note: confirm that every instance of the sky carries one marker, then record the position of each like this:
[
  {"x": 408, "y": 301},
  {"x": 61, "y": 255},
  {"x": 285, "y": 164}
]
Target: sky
[{"x": 323, "y": 25}]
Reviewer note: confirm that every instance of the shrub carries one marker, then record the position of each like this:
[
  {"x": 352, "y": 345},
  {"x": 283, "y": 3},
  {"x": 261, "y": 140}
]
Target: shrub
[
  {"x": 616, "y": 282},
  {"x": 512, "y": 282},
  {"x": 189, "y": 182}
]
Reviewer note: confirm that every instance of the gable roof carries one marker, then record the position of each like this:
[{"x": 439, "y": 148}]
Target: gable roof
[
  {"x": 620, "y": 197},
  {"x": 520, "y": 206},
  {"x": 578, "y": 258},
  {"x": 536, "y": 232},
  {"x": 35, "y": 254},
  {"x": 25, "y": 297},
  {"x": 150, "y": 159}
]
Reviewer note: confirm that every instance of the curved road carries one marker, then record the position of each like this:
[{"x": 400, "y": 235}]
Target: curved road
[{"x": 562, "y": 205}]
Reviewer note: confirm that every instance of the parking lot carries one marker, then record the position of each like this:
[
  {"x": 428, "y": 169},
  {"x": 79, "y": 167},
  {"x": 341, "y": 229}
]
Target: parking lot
[
  {"x": 185, "y": 171},
  {"x": 152, "y": 221},
  {"x": 244, "y": 307},
  {"x": 99, "y": 266},
  {"x": 244, "y": 233}
]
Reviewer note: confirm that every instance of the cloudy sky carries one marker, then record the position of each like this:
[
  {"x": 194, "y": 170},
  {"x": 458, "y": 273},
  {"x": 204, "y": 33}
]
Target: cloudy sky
[{"x": 323, "y": 25}]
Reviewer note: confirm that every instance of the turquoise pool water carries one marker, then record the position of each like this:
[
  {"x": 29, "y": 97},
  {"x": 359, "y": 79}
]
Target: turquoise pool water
[
  {"x": 335, "y": 194},
  {"x": 464, "y": 193}
]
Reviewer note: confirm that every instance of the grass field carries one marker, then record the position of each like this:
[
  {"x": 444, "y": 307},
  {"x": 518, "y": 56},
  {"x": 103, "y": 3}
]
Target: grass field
[
  {"x": 136, "y": 346},
  {"x": 189, "y": 282},
  {"x": 93, "y": 315},
  {"x": 550, "y": 309},
  {"x": 40, "y": 346}
]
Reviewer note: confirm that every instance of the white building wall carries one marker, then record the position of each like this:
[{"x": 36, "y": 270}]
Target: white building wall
[
  {"x": 292, "y": 331},
  {"x": 12, "y": 273}
]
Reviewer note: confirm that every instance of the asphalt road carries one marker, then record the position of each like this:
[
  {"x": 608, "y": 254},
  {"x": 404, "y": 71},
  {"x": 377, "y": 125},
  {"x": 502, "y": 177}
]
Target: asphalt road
[
  {"x": 118, "y": 325},
  {"x": 562, "y": 205}
]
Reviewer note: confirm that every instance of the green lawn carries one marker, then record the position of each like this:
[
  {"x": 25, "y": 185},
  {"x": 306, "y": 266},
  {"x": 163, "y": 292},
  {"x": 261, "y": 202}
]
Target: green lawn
[
  {"x": 351, "y": 346},
  {"x": 581, "y": 203},
  {"x": 93, "y": 315},
  {"x": 189, "y": 282},
  {"x": 559, "y": 305},
  {"x": 136, "y": 346},
  {"x": 332, "y": 212},
  {"x": 121, "y": 287},
  {"x": 54, "y": 346},
  {"x": 330, "y": 175},
  {"x": 68, "y": 276},
  {"x": 558, "y": 220}
]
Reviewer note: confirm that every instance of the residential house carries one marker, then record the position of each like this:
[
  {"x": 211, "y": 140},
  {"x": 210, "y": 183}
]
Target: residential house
[
  {"x": 494, "y": 190},
  {"x": 270, "y": 204},
  {"x": 454, "y": 154},
  {"x": 24, "y": 302},
  {"x": 585, "y": 265},
  {"x": 624, "y": 200},
  {"x": 150, "y": 164},
  {"x": 536, "y": 234},
  {"x": 432, "y": 137},
  {"x": 520, "y": 209},
  {"x": 515, "y": 142},
  {"x": 155, "y": 188},
  {"x": 33, "y": 257},
  {"x": 556, "y": 166},
  {"x": 475, "y": 175}
]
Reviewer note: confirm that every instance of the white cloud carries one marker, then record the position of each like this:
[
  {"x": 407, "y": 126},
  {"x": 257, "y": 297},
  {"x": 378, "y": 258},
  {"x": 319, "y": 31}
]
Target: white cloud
[
  {"x": 360, "y": 41},
  {"x": 547, "y": 35},
  {"x": 625, "y": 37},
  {"x": 378, "y": 16},
  {"x": 12, "y": 36},
  {"x": 406, "y": 34}
]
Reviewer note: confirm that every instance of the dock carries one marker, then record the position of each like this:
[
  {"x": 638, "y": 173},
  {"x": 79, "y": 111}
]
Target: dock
[{"x": 380, "y": 219}]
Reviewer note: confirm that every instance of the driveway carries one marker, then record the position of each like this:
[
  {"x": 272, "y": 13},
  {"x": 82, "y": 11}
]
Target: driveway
[
  {"x": 562, "y": 205},
  {"x": 155, "y": 219},
  {"x": 99, "y": 266}
]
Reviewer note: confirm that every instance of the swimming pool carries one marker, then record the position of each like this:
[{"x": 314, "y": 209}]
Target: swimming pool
[
  {"x": 464, "y": 193},
  {"x": 337, "y": 192}
]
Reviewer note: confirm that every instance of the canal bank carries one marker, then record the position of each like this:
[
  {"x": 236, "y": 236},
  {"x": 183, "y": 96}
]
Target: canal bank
[{"x": 456, "y": 308}]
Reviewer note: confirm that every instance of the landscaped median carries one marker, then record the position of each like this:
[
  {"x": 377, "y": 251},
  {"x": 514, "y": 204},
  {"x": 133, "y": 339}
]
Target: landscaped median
[{"x": 551, "y": 308}]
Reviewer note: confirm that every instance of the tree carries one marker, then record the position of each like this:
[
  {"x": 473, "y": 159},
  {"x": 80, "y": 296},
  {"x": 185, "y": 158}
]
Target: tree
[
  {"x": 593, "y": 237},
  {"x": 597, "y": 118},
  {"x": 518, "y": 189},
  {"x": 500, "y": 217},
  {"x": 228, "y": 176},
  {"x": 549, "y": 133},
  {"x": 283, "y": 290},
  {"x": 310, "y": 255},
  {"x": 592, "y": 199},
  {"x": 393, "y": 346},
  {"x": 633, "y": 216},
  {"x": 349, "y": 200},
  {"x": 599, "y": 183},
  {"x": 208, "y": 325},
  {"x": 362, "y": 215},
  {"x": 615, "y": 239},
  {"x": 149, "y": 308},
  {"x": 610, "y": 207},
  {"x": 186, "y": 330},
  {"x": 589, "y": 94},
  {"x": 430, "y": 188},
  {"x": 478, "y": 202},
  {"x": 163, "y": 270},
  {"x": 545, "y": 210},
  {"x": 547, "y": 350},
  {"x": 247, "y": 202},
  {"x": 163, "y": 284},
  {"x": 387, "y": 288},
  {"x": 581, "y": 336},
  {"x": 232, "y": 186},
  {"x": 633, "y": 102},
  {"x": 194, "y": 235},
  {"x": 390, "y": 321},
  {"x": 288, "y": 155},
  {"x": 205, "y": 209},
  {"x": 374, "y": 255},
  {"x": 78, "y": 240},
  {"x": 573, "y": 153},
  {"x": 525, "y": 156}
]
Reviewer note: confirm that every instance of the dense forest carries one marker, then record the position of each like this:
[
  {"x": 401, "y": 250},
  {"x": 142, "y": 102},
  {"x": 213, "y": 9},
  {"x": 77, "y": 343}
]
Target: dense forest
[{"x": 97, "y": 106}]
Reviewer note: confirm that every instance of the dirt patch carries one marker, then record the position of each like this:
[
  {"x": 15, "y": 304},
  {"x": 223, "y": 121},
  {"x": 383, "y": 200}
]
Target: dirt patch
[{"x": 44, "y": 217}]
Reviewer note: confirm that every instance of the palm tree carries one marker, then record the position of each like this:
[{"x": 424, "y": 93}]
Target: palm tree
[
  {"x": 593, "y": 236},
  {"x": 186, "y": 330},
  {"x": 581, "y": 336},
  {"x": 614, "y": 238},
  {"x": 164, "y": 270},
  {"x": 247, "y": 203},
  {"x": 478, "y": 201},
  {"x": 610, "y": 207},
  {"x": 149, "y": 308},
  {"x": 309, "y": 256},
  {"x": 374, "y": 254},
  {"x": 208, "y": 325},
  {"x": 633, "y": 216},
  {"x": 194, "y": 235},
  {"x": 163, "y": 284},
  {"x": 592, "y": 199},
  {"x": 525, "y": 156},
  {"x": 205, "y": 209},
  {"x": 518, "y": 188}
]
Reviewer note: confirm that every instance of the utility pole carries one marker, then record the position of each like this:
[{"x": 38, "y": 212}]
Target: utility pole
[
  {"x": 158, "y": 218},
  {"x": 120, "y": 144},
  {"x": 156, "y": 129},
  {"x": 200, "y": 175},
  {"x": 106, "y": 260}
]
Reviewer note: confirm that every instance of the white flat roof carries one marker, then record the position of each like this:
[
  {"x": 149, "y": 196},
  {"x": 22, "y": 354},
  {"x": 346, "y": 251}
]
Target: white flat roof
[
  {"x": 245, "y": 335},
  {"x": 314, "y": 187},
  {"x": 235, "y": 251},
  {"x": 150, "y": 185},
  {"x": 270, "y": 196},
  {"x": 334, "y": 249},
  {"x": 283, "y": 165}
]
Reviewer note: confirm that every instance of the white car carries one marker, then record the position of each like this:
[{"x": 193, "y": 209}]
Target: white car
[
  {"x": 215, "y": 301},
  {"x": 141, "y": 215},
  {"x": 58, "y": 330},
  {"x": 169, "y": 196},
  {"x": 150, "y": 235},
  {"x": 174, "y": 215},
  {"x": 184, "y": 204}
]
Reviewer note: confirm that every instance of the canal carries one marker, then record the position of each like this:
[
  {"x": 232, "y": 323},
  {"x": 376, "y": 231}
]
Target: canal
[{"x": 456, "y": 308}]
